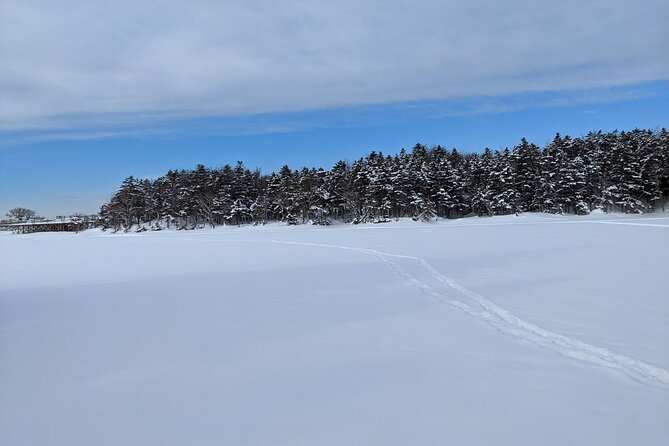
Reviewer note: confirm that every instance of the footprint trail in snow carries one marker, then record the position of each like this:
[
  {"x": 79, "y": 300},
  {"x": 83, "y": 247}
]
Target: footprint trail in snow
[{"x": 483, "y": 309}]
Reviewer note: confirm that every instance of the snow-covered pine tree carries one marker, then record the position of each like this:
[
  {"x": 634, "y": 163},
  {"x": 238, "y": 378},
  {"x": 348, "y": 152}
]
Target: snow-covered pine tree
[
  {"x": 480, "y": 172},
  {"x": 504, "y": 198},
  {"x": 552, "y": 158},
  {"x": 526, "y": 166},
  {"x": 663, "y": 141},
  {"x": 337, "y": 188}
]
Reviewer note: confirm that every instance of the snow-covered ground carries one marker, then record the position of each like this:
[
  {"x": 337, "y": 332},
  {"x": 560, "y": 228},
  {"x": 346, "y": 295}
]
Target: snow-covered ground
[{"x": 534, "y": 329}]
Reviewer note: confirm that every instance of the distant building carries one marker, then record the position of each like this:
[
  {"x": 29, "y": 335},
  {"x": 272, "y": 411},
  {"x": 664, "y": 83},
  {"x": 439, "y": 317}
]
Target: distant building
[{"x": 44, "y": 226}]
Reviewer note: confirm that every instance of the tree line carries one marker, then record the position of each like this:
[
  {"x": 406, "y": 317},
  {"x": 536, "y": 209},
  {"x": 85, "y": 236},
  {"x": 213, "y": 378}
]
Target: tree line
[{"x": 614, "y": 171}]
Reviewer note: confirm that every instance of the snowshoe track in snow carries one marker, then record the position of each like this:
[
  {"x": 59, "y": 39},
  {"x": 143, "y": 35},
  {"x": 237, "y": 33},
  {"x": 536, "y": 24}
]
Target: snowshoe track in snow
[{"x": 485, "y": 310}]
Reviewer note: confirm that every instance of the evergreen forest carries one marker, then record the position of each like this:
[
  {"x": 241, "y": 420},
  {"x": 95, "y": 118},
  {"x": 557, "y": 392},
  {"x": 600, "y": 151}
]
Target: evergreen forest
[{"x": 624, "y": 171}]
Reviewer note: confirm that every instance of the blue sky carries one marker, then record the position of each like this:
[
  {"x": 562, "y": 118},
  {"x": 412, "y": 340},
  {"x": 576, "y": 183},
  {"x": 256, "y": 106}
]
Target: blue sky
[{"x": 112, "y": 89}]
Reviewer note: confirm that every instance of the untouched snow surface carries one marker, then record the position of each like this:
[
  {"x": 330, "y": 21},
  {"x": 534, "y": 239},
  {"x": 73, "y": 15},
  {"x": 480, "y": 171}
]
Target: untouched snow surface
[{"x": 512, "y": 330}]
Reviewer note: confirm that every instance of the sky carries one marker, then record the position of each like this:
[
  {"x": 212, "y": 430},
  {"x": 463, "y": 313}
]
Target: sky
[{"x": 94, "y": 91}]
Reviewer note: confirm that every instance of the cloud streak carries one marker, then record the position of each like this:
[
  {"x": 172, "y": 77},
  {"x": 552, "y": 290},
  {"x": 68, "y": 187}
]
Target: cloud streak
[
  {"x": 72, "y": 64},
  {"x": 167, "y": 126}
]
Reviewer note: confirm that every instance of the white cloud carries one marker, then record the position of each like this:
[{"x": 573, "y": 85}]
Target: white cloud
[{"x": 65, "y": 62}]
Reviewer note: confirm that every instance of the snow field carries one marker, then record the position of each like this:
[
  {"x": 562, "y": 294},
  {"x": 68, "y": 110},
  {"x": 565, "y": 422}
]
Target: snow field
[{"x": 510, "y": 330}]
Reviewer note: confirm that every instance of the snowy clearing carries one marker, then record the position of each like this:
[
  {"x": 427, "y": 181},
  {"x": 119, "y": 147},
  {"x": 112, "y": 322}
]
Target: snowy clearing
[{"x": 537, "y": 329}]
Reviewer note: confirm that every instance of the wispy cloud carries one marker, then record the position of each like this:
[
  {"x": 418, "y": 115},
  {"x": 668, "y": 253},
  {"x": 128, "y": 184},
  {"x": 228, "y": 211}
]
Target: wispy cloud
[
  {"x": 174, "y": 126},
  {"x": 537, "y": 100},
  {"x": 95, "y": 69}
]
